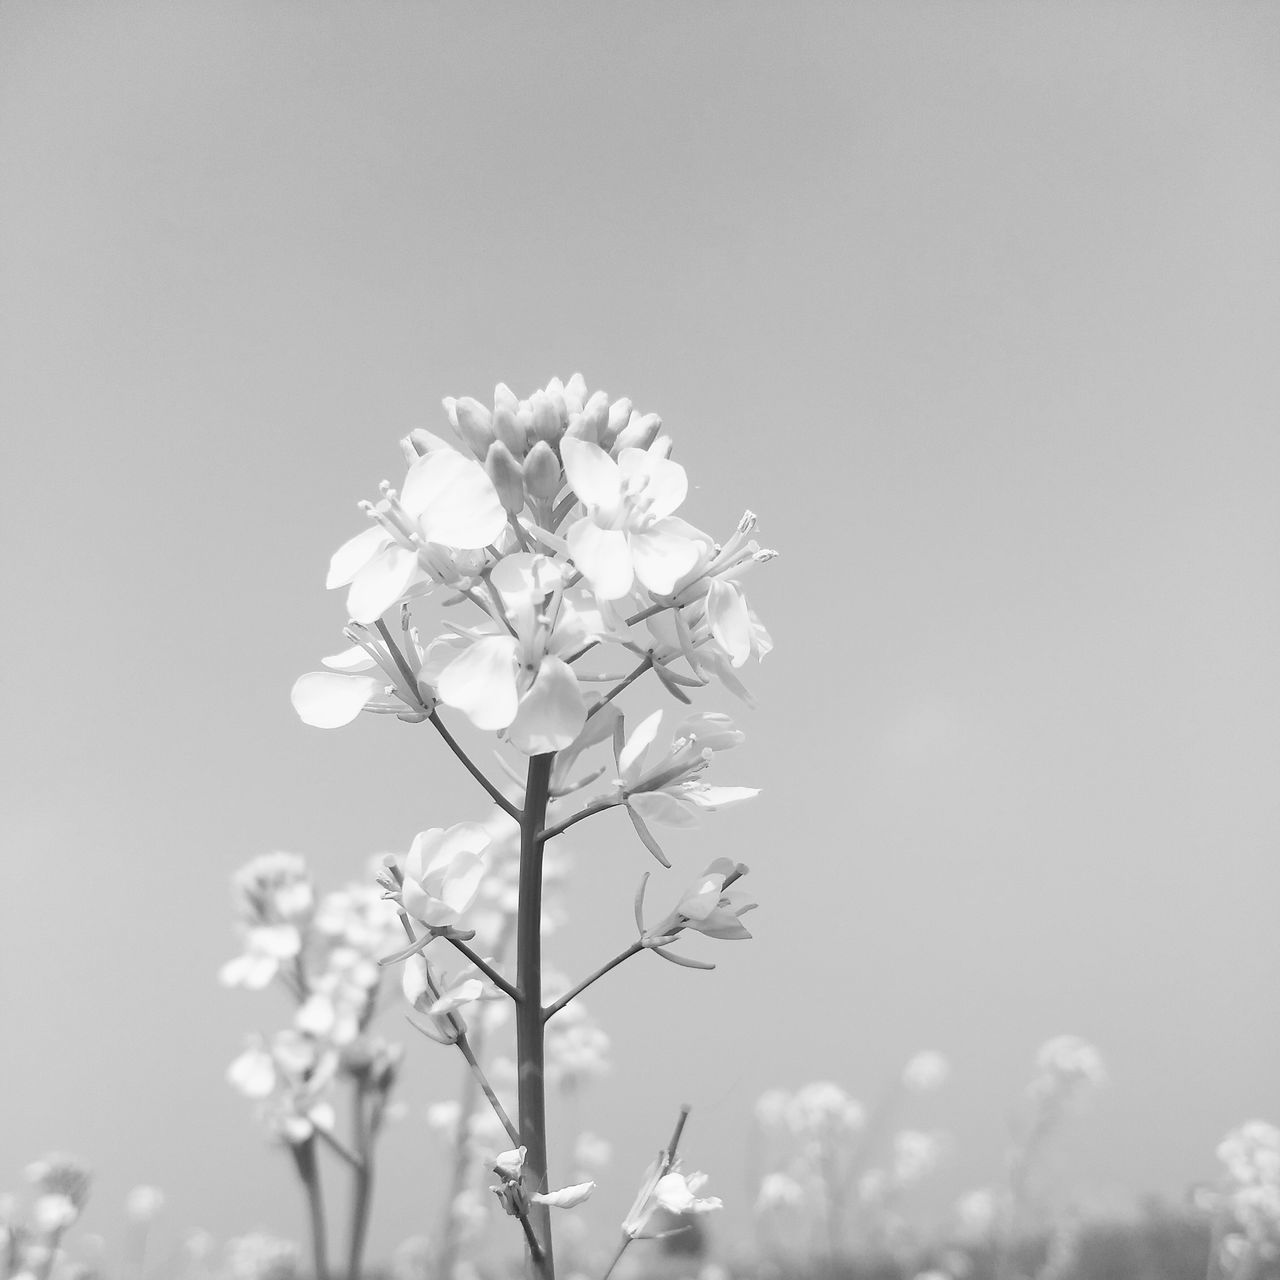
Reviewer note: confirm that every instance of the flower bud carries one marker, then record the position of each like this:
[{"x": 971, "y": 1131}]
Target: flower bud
[
  {"x": 547, "y": 424},
  {"x": 507, "y": 429},
  {"x": 506, "y": 475},
  {"x": 505, "y": 398},
  {"x": 474, "y": 425},
  {"x": 575, "y": 393},
  {"x": 639, "y": 433},
  {"x": 542, "y": 471},
  {"x": 580, "y": 429},
  {"x": 619, "y": 415},
  {"x": 596, "y": 413}
]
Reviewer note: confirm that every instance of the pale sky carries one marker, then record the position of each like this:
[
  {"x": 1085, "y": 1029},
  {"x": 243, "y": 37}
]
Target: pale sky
[{"x": 977, "y": 305}]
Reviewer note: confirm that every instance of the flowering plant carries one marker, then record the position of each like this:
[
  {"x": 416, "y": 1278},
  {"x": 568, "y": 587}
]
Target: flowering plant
[{"x": 548, "y": 528}]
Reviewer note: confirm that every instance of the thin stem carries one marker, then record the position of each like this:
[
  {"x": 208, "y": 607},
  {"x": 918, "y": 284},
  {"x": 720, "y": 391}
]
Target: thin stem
[
  {"x": 535, "y": 1249},
  {"x": 486, "y": 968},
  {"x": 552, "y": 1009},
  {"x": 617, "y": 1257},
  {"x": 304, "y": 1155},
  {"x": 622, "y": 684},
  {"x": 362, "y": 1187},
  {"x": 529, "y": 1021},
  {"x": 459, "y": 1029},
  {"x": 596, "y": 806},
  {"x": 464, "y": 1047},
  {"x": 339, "y": 1148},
  {"x": 494, "y": 794}
]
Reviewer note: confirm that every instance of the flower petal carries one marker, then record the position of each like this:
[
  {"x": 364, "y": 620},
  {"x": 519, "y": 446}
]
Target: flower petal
[
  {"x": 730, "y": 620},
  {"x": 481, "y": 682},
  {"x": 552, "y": 713},
  {"x": 566, "y": 1197},
  {"x": 661, "y": 558},
  {"x": 592, "y": 474},
  {"x": 350, "y": 660},
  {"x": 381, "y": 583},
  {"x": 454, "y": 500},
  {"x": 666, "y": 485},
  {"x": 631, "y": 758},
  {"x": 328, "y": 700},
  {"x": 354, "y": 554},
  {"x": 658, "y": 806},
  {"x": 603, "y": 556}
]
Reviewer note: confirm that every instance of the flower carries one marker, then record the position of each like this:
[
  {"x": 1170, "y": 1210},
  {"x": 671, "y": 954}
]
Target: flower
[
  {"x": 291, "y": 1077},
  {"x": 665, "y": 1187},
  {"x": 509, "y": 1166},
  {"x": 275, "y": 900},
  {"x": 628, "y": 531},
  {"x": 778, "y": 1191},
  {"x": 442, "y": 873},
  {"x": 709, "y": 907},
  {"x": 513, "y": 673},
  {"x": 447, "y": 503},
  {"x": 1067, "y": 1067},
  {"x": 144, "y": 1203}
]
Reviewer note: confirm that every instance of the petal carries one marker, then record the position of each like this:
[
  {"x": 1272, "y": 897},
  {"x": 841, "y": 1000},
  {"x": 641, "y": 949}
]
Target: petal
[
  {"x": 662, "y": 557},
  {"x": 667, "y": 484},
  {"x": 730, "y": 621},
  {"x": 603, "y": 556},
  {"x": 592, "y": 474},
  {"x": 463, "y": 882},
  {"x": 328, "y": 700},
  {"x": 566, "y": 1197},
  {"x": 481, "y": 682},
  {"x": 631, "y": 758},
  {"x": 702, "y": 899},
  {"x": 354, "y": 554},
  {"x": 381, "y": 583},
  {"x": 658, "y": 806},
  {"x": 713, "y": 797},
  {"x": 454, "y": 500},
  {"x": 461, "y": 838},
  {"x": 350, "y": 660},
  {"x": 552, "y": 713}
]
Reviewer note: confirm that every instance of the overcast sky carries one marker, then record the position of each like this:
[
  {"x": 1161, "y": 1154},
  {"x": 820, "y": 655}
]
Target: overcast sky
[{"x": 976, "y": 304}]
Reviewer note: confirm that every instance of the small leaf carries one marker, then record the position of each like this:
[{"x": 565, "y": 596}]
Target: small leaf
[{"x": 647, "y": 836}]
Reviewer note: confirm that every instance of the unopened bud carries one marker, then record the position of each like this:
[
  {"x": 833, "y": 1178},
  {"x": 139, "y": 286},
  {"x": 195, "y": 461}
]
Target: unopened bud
[
  {"x": 596, "y": 413},
  {"x": 542, "y": 471},
  {"x": 580, "y": 429},
  {"x": 547, "y": 424},
  {"x": 505, "y": 398},
  {"x": 474, "y": 425},
  {"x": 575, "y": 393},
  {"x": 619, "y": 416},
  {"x": 507, "y": 429},
  {"x": 506, "y": 475},
  {"x": 640, "y": 432}
]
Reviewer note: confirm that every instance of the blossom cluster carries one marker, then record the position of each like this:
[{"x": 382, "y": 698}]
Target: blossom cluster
[
  {"x": 325, "y": 952},
  {"x": 1250, "y": 1199}
]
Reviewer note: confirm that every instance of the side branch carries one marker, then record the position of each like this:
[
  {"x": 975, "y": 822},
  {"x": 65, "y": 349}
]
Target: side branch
[
  {"x": 467, "y": 763},
  {"x": 596, "y": 806},
  {"x": 487, "y": 969},
  {"x": 552, "y": 1009}
]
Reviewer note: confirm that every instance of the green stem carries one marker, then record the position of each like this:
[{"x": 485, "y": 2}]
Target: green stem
[
  {"x": 304, "y": 1156},
  {"x": 467, "y": 763},
  {"x": 362, "y": 1174},
  {"x": 529, "y": 1020},
  {"x": 552, "y": 1009}
]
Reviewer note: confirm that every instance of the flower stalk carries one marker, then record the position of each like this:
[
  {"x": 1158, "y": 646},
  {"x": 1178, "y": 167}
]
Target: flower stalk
[{"x": 530, "y": 1046}]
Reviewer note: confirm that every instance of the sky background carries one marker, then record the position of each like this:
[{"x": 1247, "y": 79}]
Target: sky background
[{"x": 976, "y": 304}]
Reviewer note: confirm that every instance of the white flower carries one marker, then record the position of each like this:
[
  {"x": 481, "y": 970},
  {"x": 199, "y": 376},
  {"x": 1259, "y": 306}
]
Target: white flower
[
  {"x": 708, "y": 907},
  {"x": 778, "y": 1191},
  {"x": 628, "y": 531},
  {"x": 513, "y": 675},
  {"x": 265, "y": 947},
  {"x": 822, "y": 1106},
  {"x": 443, "y": 872},
  {"x": 54, "y": 1213},
  {"x": 1067, "y": 1067},
  {"x": 670, "y": 791},
  {"x": 665, "y": 1187},
  {"x": 447, "y": 503}
]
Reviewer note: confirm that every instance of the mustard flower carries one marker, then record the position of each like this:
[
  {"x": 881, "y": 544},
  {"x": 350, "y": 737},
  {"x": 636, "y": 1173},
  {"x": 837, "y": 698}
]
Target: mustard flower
[
  {"x": 665, "y": 1187},
  {"x": 628, "y": 532},
  {"x": 708, "y": 906},
  {"x": 443, "y": 873},
  {"x": 447, "y": 504},
  {"x": 512, "y": 675}
]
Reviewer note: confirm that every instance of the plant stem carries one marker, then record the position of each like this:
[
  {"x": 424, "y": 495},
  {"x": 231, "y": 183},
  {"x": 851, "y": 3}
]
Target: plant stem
[
  {"x": 596, "y": 806},
  {"x": 494, "y": 794},
  {"x": 552, "y": 1009},
  {"x": 362, "y": 1174},
  {"x": 304, "y": 1155},
  {"x": 487, "y": 969},
  {"x": 622, "y": 684},
  {"x": 529, "y": 1020}
]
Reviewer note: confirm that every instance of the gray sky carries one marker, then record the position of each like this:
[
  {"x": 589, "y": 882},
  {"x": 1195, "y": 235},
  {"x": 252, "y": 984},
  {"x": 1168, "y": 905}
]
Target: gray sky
[{"x": 976, "y": 305}]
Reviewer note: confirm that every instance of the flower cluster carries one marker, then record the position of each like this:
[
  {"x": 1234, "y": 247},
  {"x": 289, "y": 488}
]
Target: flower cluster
[
  {"x": 325, "y": 952},
  {"x": 1250, "y": 1198}
]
